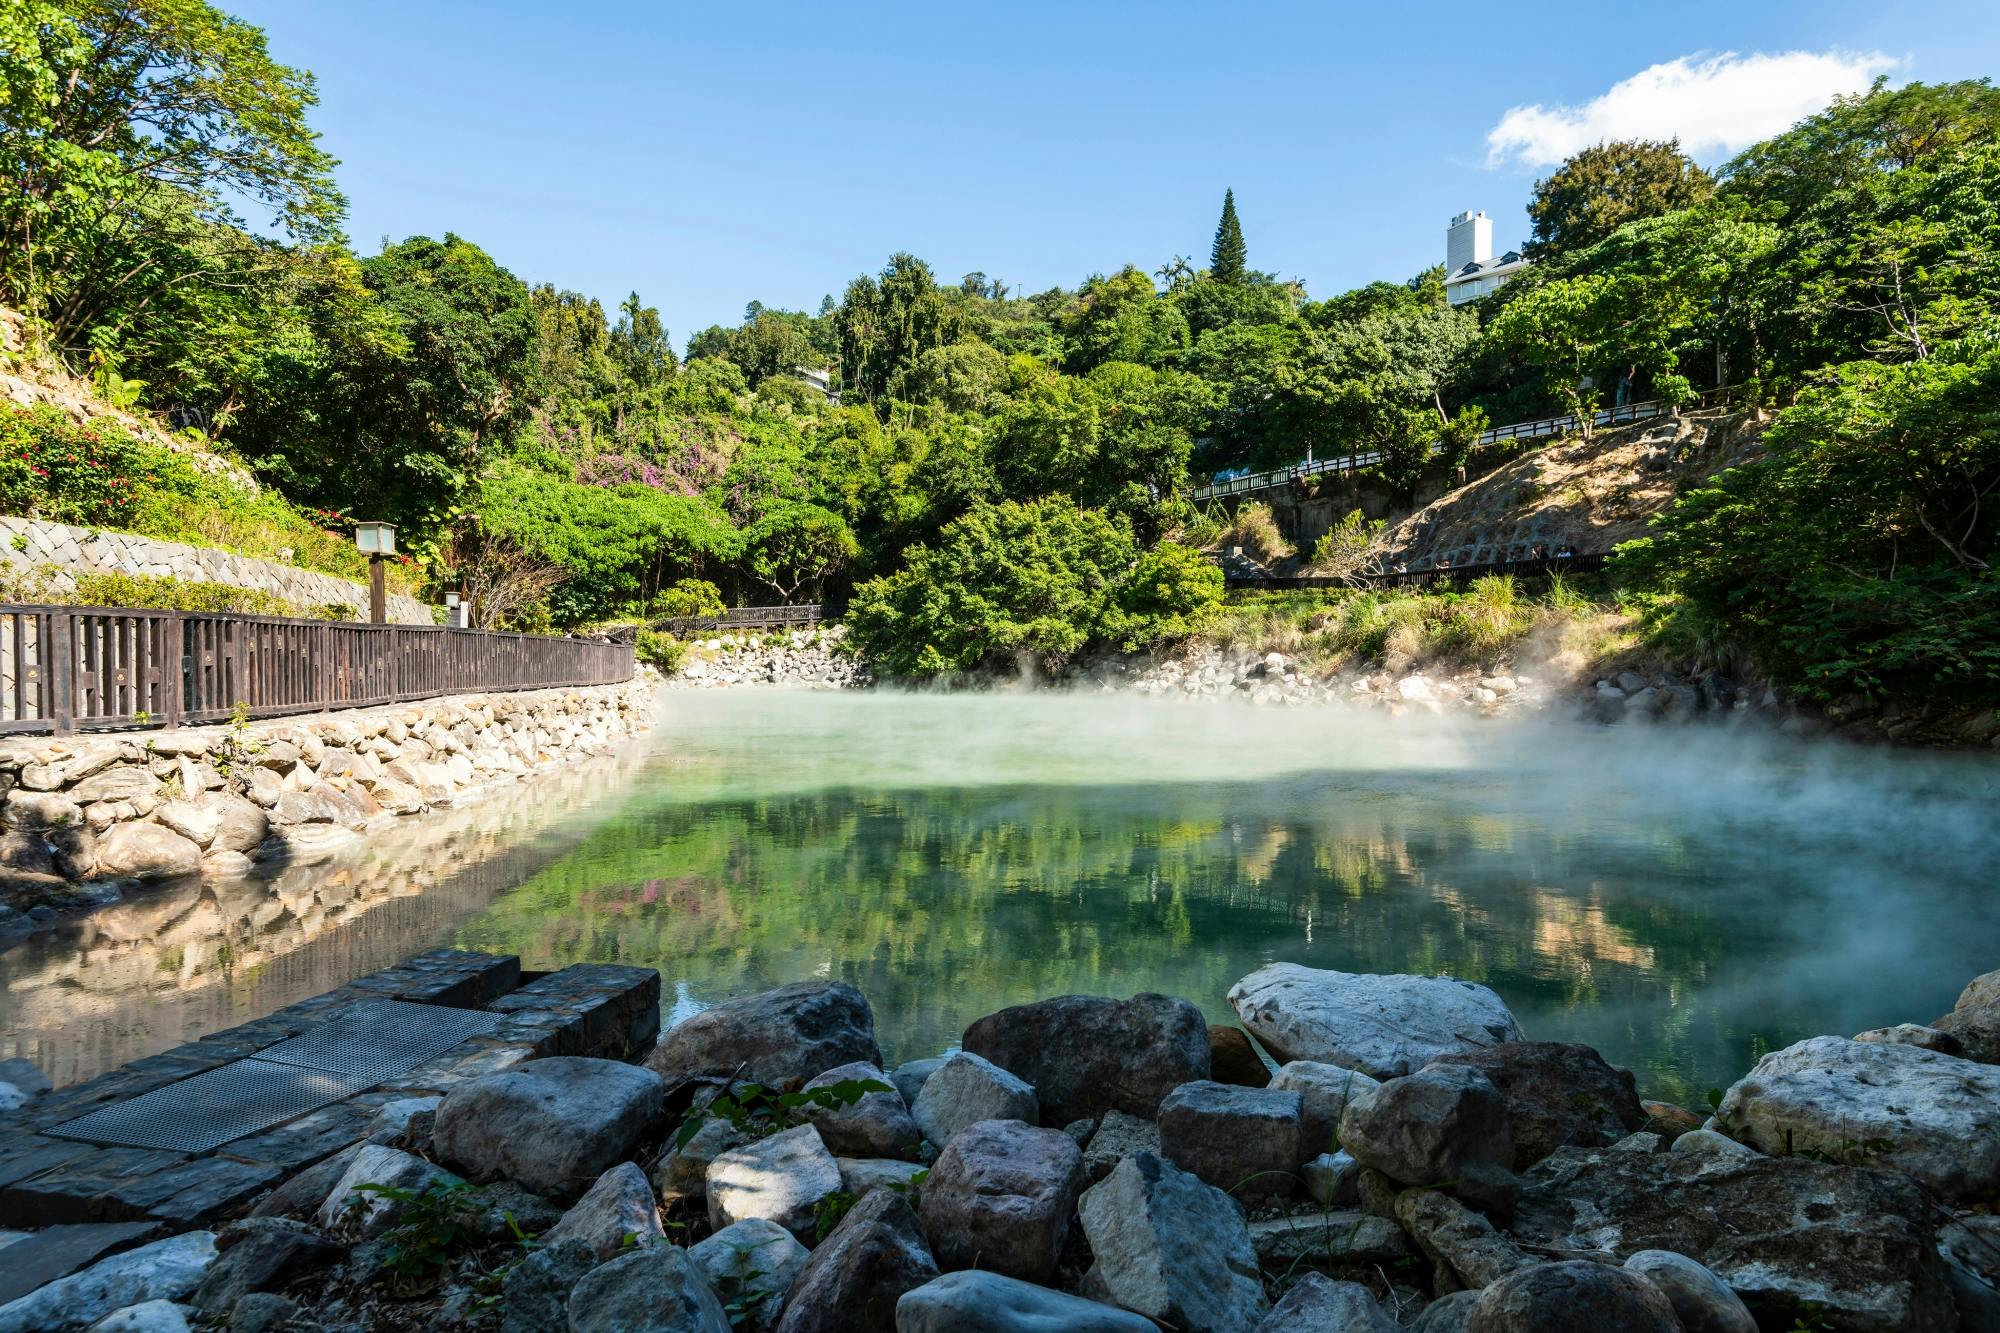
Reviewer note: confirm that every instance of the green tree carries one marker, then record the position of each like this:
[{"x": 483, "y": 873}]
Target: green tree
[
  {"x": 795, "y": 548},
  {"x": 1608, "y": 185},
  {"x": 884, "y": 325},
  {"x": 1227, "y": 257}
]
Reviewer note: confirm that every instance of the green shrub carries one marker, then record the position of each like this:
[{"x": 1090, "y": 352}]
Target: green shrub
[
  {"x": 65, "y": 472},
  {"x": 687, "y": 597},
  {"x": 659, "y": 650},
  {"x": 1172, "y": 593},
  {"x": 154, "y": 592}
]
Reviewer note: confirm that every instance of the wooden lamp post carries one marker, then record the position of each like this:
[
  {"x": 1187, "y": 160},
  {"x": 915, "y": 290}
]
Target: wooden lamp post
[{"x": 377, "y": 541}]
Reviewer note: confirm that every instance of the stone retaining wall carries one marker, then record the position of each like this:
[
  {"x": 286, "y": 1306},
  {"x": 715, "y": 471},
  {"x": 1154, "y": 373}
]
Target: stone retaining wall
[
  {"x": 32, "y": 544},
  {"x": 209, "y": 800}
]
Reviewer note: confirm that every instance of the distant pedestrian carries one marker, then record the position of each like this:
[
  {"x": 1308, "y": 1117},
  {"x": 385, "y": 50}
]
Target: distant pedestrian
[{"x": 1565, "y": 551}]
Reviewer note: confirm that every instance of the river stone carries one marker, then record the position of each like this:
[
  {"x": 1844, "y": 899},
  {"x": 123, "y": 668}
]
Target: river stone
[
  {"x": 1455, "y": 1238},
  {"x": 1975, "y": 1020},
  {"x": 1384, "y": 1026},
  {"x": 852, "y": 1282},
  {"x": 753, "y": 1262},
  {"x": 554, "y": 1125},
  {"x": 1117, "y": 1137},
  {"x": 1794, "y": 1238},
  {"x": 1233, "y": 1058},
  {"x": 1575, "y": 1296},
  {"x": 264, "y": 787},
  {"x": 1087, "y": 1054},
  {"x": 262, "y": 1260},
  {"x": 167, "y": 1270},
  {"x": 1558, "y": 1095},
  {"x": 27, "y": 851},
  {"x": 1970, "y": 1247},
  {"x": 1702, "y": 1301},
  {"x": 1243, "y": 1141},
  {"x": 125, "y": 783},
  {"x": 1318, "y": 1304},
  {"x": 777, "y": 1038},
  {"x": 967, "y": 1089},
  {"x": 1446, "y": 1314},
  {"x": 1913, "y": 1034},
  {"x": 1668, "y": 1120},
  {"x": 301, "y": 1196},
  {"x": 976, "y": 1302},
  {"x": 1000, "y": 1196},
  {"x": 1934, "y": 1116},
  {"x": 40, "y": 810},
  {"x": 1322, "y": 1239},
  {"x": 655, "y": 1289},
  {"x": 1707, "y": 1140},
  {"x": 910, "y": 1076},
  {"x": 364, "y": 1213},
  {"x": 240, "y": 825},
  {"x": 1324, "y": 1091},
  {"x": 146, "y": 851},
  {"x": 619, "y": 1206},
  {"x": 1445, "y": 1125},
  {"x": 536, "y": 1290},
  {"x": 196, "y": 820},
  {"x": 157, "y": 1316},
  {"x": 879, "y": 1125},
  {"x": 782, "y": 1178},
  {"x": 392, "y": 1120},
  {"x": 1332, "y": 1178},
  {"x": 682, "y": 1172},
  {"x": 1172, "y": 1248}
]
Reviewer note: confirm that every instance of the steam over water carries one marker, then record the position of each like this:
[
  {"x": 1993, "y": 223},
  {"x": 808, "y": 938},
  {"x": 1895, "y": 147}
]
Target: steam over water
[{"x": 1682, "y": 899}]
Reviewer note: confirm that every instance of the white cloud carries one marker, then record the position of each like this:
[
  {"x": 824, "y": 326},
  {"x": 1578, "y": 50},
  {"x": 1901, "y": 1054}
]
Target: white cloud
[{"x": 1714, "y": 104}]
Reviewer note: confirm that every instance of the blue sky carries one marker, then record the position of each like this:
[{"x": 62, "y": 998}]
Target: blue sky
[{"x": 706, "y": 155}]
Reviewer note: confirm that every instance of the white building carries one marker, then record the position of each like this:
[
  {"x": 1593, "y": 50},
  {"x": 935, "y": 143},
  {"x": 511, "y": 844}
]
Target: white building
[{"x": 1470, "y": 270}]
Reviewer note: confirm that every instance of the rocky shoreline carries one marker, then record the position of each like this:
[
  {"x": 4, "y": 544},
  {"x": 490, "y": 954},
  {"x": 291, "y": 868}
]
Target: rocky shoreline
[{"x": 1357, "y": 1153}]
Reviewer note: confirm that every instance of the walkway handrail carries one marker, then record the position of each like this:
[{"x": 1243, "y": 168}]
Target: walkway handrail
[
  {"x": 744, "y": 617},
  {"x": 65, "y": 667},
  {"x": 1588, "y": 562}
]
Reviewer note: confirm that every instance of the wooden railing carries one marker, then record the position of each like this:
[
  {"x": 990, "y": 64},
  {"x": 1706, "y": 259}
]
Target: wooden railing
[
  {"x": 68, "y": 667},
  {"x": 744, "y": 617},
  {"x": 1586, "y": 562}
]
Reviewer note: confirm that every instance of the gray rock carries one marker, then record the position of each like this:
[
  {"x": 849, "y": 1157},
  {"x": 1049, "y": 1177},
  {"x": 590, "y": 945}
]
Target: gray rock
[
  {"x": 655, "y": 1289},
  {"x": 855, "y": 1277},
  {"x": 879, "y": 1125},
  {"x": 263, "y": 1260},
  {"x": 21, "y": 1081},
  {"x": 1640, "y": 1142},
  {"x": 1000, "y": 1196},
  {"x": 1325, "y": 1239},
  {"x": 1794, "y": 1238},
  {"x": 124, "y": 783},
  {"x": 1243, "y": 1141},
  {"x": 27, "y": 851},
  {"x": 1707, "y": 1140},
  {"x": 1233, "y": 1058},
  {"x": 1087, "y": 1054},
  {"x": 536, "y": 1291},
  {"x": 1384, "y": 1026},
  {"x": 353, "y": 1211},
  {"x": 967, "y": 1089},
  {"x": 858, "y": 1175},
  {"x": 1172, "y": 1248},
  {"x": 1575, "y": 1296},
  {"x": 1318, "y": 1304},
  {"x": 264, "y": 788},
  {"x": 1702, "y": 1301},
  {"x": 1558, "y": 1095},
  {"x": 910, "y": 1076},
  {"x": 240, "y": 825},
  {"x": 392, "y": 1121},
  {"x": 976, "y": 1302},
  {"x": 1457, "y": 1239},
  {"x": 1332, "y": 1178},
  {"x": 301, "y": 1196},
  {"x": 1934, "y": 1116},
  {"x": 1324, "y": 1091},
  {"x": 618, "y": 1208},
  {"x": 1446, "y": 1314},
  {"x": 267, "y": 1312},
  {"x": 1117, "y": 1137},
  {"x": 682, "y": 1172},
  {"x": 156, "y": 1316},
  {"x": 1975, "y": 1020},
  {"x": 166, "y": 1270},
  {"x": 782, "y": 1178},
  {"x": 554, "y": 1125},
  {"x": 778, "y": 1038},
  {"x": 1969, "y": 1244},
  {"x": 1445, "y": 1125},
  {"x": 194, "y": 819},
  {"x": 146, "y": 851},
  {"x": 39, "y": 810},
  {"x": 752, "y": 1264}
]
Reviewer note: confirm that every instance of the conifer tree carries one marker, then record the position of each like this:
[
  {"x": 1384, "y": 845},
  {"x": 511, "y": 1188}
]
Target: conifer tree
[{"x": 1225, "y": 261}]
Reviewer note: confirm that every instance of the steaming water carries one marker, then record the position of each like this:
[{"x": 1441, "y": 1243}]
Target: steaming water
[{"x": 1681, "y": 899}]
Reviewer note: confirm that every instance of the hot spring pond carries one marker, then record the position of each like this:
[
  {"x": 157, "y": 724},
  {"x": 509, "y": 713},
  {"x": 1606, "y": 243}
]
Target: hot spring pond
[{"x": 1681, "y": 899}]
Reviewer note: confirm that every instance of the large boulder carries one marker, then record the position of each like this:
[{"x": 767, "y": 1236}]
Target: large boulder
[
  {"x": 1087, "y": 1054},
  {"x": 1458, "y": 1240},
  {"x": 535, "y": 1292},
  {"x": 1172, "y": 1248},
  {"x": 1934, "y": 1116},
  {"x": 1975, "y": 1020},
  {"x": 1324, "y": 1091},
  {"x": 1559, "y": 1095},
  {"x": 751, "y": 1264},
  {"x": 1318, "y": 1304},
  {"x": 553, "y": 1125},
  {"x": 777, "y": 1038},
  {"x": 1702, "y": 1301},
  {"x": 1445, "y": 1125},
  {"x": 1117, "y": 1137},
  {"x": 369, "y": 1197},
  {"x": 909, "y": 1077},
  {"x": 967, "y": 1089},
  {"x": 618, "y": 1209},
  {"x": 146, "y": 851},
  {"x": 974, "y": 1302},
  {"x": 1849, "y": 1247},
  {"x": 264, "y": 1256},
  {"x": 168, "y": 1270},
  {"x": 1384, "y": 1026},
  {"x": 1244, "y": 1141},
  {"x": 241, "y": 825},
  {"x": 852, "y": 1282},
  {"x": 654, "y": 1289},
  {"x": 1000, "y": 1197},
  {"x": 783, "y": 1179},
  {"x": 878, "y": 1125},
  {"x": 1575, "y": 1296}
]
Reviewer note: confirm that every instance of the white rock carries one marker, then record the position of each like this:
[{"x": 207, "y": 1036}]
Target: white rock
[
  {"x": 782, "y": 1178},
  {"x": 366, "y": 1212},
  {"x": 167, "y": 1270},
  {"x": 1385, "y": 1026},
  {"x": 752, "y": 1261},
  {"x": 159, "y": 1316},
  {"x": 966, "y": 1089}
]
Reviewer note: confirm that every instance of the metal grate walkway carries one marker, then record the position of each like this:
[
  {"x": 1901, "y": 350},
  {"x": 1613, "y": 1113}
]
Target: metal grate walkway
[{"x": 355, "y": 1049}]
